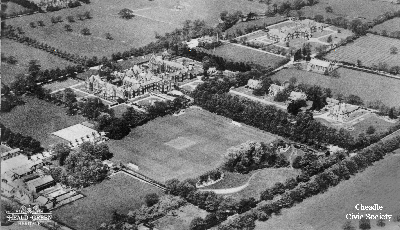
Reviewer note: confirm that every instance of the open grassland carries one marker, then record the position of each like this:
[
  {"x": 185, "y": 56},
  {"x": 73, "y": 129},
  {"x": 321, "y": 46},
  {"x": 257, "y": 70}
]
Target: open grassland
[
  {"x": 365, "y": 85},
  {"x": 182, "y": 219},
  {"x": 243, "y": 54},
  {"x": 391, "y": 25},
  {"x": 184, "y": 146},
  {"x": 151, "y": 17},
  {"x": 366, "y": 10},
  {"x": 24, "y": 54},
  {"x": 378, "y": 184},
  {"x": 10, "y": 8},
  {"x": 38, "y": 119},
  {"x": 370, "y": 50},
  {"x": 121, "y": 193},
  {"x": 60, "y": 85}
]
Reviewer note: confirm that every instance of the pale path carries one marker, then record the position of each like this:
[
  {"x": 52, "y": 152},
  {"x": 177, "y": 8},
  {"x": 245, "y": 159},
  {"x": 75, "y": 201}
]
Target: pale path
[
  {"x": 240, "y": 188},
  {"x": 258, "y": 99}
]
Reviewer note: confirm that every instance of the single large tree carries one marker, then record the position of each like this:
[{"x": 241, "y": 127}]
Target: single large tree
[{"x": 126, "y": 13}]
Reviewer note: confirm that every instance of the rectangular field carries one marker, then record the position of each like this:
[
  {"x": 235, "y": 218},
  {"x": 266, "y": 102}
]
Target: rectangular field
[
  {"x": 365, "y": 85},
  {"x": 366, "y": 10},
  {"x": 24, "y": 54},
  {"x": 392, "y": 25},
  {"x": 55, "y": 86},
  {"x": 370, "y": 49},
  {"x": 182, "y": 146},
  {"x": 38, "y": 119},
  {"x": 239, "y": 53},
  {"x": 151, "y": 17},
  {"x": 378, "y": 184},
  {"x": 121, "y": 193}
]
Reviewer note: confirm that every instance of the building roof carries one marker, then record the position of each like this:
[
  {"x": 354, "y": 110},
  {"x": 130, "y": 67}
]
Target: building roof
[
  {"x": 318, "y": 62},
  {"x": 16, "y": 162},
  {"x": 40, "y": 181},
  {"x": 297, "y": 95},
  {"x": 275, "y": 87},
  {"x": 75, "y": 132},
  {"x": 42, "y": 200},
  {"x": 6, "y": 187},
  {"x": 253, "y": 83}
]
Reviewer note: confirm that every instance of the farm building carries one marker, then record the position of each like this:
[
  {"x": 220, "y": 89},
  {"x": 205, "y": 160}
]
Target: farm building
[
  {"x": 77, "y": 134},
  {"x": 302, "y": 29},
  {"x": 254, "y": 84},
  {"x": 275, "y": 89},
  {"x": 320, "y": 66},
  {"x": 296, "y": 96},
  {"x": 41, "y": 183},
  {"x": 340, "y": 111}
]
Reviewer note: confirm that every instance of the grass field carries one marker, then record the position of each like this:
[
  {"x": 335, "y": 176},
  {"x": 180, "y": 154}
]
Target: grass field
[
  {"x": 367, "y": 86},
  {"x": 391, "y": 25},
  {"x": 121, "y": 193},
  {"x": 244, "y": 54},
  {"x": 54, "y": 86},
  {"x": 24, "y": 54},
  {"x": 152, "y": 16},
  {"x": 38, "y": 119},
  {"x": 378, "y": 184},
  {"x": 184, "y": 146},
  {"x": 184, "y": 216},
  {"x": 370, "y": 49},
  {"x": 366, "y": 10},
  {"x": 263, "y": 179}
]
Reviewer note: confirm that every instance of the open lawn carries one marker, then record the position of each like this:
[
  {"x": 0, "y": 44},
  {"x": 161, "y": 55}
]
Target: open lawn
[
  {"x": 24, "y": 54},
  {"x": 151, "y": 17},
  {"x": 263, "y": 179},
  {"x": 120, "y": 109},
  {"x": 59, "y": 85},
  {"x": 243, "y": 54},
  {"x": 365, "y": 85},
  {"x": 121, "y": 193},
  {"x": 370, "y": 50},
  {"x": 181, "y": 221},
  {"x": 39, "y": 119},
  {"x": 378, "y": 184},
  {"x": 365, "y": 10},
  {"x": 391, "y": 25},
  {"x": 184, "y": 146}
]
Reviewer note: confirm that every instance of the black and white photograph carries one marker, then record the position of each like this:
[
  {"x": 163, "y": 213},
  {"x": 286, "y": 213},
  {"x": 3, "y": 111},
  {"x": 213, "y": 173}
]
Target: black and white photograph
[{"x": 200, "y": 115}]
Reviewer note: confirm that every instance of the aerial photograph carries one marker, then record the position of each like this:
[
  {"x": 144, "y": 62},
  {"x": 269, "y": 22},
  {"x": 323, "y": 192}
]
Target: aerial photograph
[{"x": 200, "y": 115}]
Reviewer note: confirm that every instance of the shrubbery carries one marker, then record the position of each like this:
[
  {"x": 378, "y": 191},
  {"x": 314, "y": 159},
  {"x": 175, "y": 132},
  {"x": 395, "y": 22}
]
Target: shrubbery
[{"x": 16, "y": 140}]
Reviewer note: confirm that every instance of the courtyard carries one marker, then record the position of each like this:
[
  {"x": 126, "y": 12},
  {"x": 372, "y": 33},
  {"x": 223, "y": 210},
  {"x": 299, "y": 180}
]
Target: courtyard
[{"x": 184, "y": 146}]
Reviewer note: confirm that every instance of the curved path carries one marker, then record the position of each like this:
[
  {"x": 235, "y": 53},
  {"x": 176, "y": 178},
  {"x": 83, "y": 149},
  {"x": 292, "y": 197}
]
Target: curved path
[{"x": 223, "y": 191}]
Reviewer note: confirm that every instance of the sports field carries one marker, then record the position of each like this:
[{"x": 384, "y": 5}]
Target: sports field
[
  {"x": 378, "y": 184},
  {"x": 24, "y": 54},
  {"x": 121, "y": 193},
  {"x": 392, "y": 25},
  {"x": 370, "y": 50},
  {"x": 184, "y": 146},
  {"x": 238, "y": 53},
  {"x": 365, "y": 85},
  {"x": 151, "y": 17},
  {"x": 38, "y": 119},
  {"x": 366, "y": 10}
]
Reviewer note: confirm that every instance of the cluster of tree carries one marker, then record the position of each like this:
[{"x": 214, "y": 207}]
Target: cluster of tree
[
  {"x": 146, "y": 213},
  {"x": 100, "y": 151},
  {"x": 212, "y": 175},
  {"x": 26, "y": 4},
  {"x": 55, "y": 20},
  {"x": 8, "y": 99},
  {"x": 302, "y": 189},
  {"x": 301, "y": 128},
  {"x": 304, "y": 53},
  {"x": 12, "y": 14},
  {"x": 10, "y": 59},
  {"x": 83, "y": 169},
  {"x": 16, "y": 140},
  {"x": 229, "y": 20},
  {"x": 215, "y": 61},
  {"x": 126, "y": 13},
  {"x": 384, "y": 110},
  {"x": 253, "y": 155},
  {"x": 392, "y": 34}
]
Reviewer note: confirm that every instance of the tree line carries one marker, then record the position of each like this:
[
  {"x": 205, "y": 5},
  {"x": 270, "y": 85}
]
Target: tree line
[
  {"x": 27, "y": 144},
  {"x": 319, "y": 183}
]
